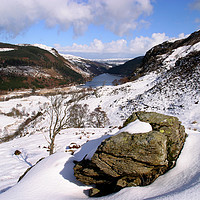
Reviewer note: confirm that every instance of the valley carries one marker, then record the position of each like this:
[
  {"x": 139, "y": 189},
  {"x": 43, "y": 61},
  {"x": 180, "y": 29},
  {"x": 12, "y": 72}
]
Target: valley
[{"x": 166, "y": 81}]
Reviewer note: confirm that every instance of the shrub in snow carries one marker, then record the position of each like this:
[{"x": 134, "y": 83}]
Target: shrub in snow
[{"x": 98, "y": 118}]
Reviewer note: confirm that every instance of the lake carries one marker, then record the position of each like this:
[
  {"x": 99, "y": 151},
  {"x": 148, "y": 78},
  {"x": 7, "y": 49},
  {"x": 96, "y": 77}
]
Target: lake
[{"x": 103, "y": 79}]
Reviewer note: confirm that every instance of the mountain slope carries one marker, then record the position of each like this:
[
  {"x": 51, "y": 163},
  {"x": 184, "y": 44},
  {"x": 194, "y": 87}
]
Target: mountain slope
[
  {"x": 39, "y": 66},
  {"x": 26, "y": 66},
  {"x": 165, "y": 55},
  {"x": 177, "y": 85},
  {"x": 85, "y": 67},
  {"x": 127, "y": 68},
  {"x": 168, "y": 83}
]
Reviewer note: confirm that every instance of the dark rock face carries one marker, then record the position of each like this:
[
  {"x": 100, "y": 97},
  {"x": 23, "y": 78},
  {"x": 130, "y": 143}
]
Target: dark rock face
[
  {"x": 152, "y": 60},
  {"x": 126, "y": 159}
]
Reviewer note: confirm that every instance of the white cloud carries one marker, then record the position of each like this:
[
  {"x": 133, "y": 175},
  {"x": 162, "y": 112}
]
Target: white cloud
[
  {"x": 119, "y": 48},
  {"x": 118, "y": 16},
  {"x": 141, "y": 44},
  {"x": 17, "y": 15},
  {"x": 97, "y": 46},
  {"x": 195, "y": 5},
  {"x": 182, "y": 35}
]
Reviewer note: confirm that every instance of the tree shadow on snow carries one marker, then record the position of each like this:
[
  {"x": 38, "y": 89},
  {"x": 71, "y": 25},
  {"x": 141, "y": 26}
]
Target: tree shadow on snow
[{"x": 5, "y": 189}]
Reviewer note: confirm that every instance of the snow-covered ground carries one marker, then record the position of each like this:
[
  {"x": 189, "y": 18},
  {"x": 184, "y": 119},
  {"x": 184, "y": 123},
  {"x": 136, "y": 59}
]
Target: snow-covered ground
[
  {"x": 170, "y": 60},
  {"x": 52, "y": 178},
  {"x": 6, "y": 49}
]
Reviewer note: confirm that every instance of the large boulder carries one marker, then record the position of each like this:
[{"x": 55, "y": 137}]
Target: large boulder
[{"x": 128, "y": 159}]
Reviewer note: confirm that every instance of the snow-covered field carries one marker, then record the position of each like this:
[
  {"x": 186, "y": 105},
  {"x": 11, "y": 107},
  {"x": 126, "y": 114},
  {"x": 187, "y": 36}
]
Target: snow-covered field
[
  {"x": 52, "y": 178},
  {"x": 6, "y": 49}
]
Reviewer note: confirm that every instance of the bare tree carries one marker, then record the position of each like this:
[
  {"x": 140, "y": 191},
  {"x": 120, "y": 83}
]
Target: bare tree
[
  {"x": 65, "y": 113},
  {"x": 59, "y": 119}
]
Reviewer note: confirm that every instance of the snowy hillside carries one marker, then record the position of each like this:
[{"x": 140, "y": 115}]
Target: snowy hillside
[
  {"x": 45, "y": 47},
  {"x": 168, "y": 84},
  {"x": 87, "y": 68},
  {"x": 55, "y": 174},
  {"x": 177, "y": 85},
  {"x": 76, "y": 63},
  {"x": 6, "y": 49}
]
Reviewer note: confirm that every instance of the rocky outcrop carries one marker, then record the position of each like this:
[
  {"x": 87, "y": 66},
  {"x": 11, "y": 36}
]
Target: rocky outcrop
[
  {"x": 176, "y": 86},
  {"x": 153, "y": 59},
  {"x": 126, "y": 159}
]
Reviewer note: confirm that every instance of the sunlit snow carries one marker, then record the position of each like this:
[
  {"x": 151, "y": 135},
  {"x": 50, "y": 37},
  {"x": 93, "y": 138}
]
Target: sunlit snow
[
  {"x": 137, "y": 127},
  {"x": 6, "y": 49},
  {"x": 53, "y": 178}
]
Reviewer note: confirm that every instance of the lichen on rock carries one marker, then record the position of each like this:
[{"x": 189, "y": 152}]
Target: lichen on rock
[{"x": 126, "y": 159}]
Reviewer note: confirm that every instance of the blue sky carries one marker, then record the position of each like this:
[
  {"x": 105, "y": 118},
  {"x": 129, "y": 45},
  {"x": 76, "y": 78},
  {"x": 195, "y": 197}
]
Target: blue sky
[{"x": 98, "y": 28}]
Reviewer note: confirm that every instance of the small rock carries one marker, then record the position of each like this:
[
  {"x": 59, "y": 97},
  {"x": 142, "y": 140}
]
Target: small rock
[{"x": 17, "y": 152}]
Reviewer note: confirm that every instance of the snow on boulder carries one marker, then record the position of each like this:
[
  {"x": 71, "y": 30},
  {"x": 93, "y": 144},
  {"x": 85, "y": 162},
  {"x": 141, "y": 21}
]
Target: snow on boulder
[
  {"x": 128, "y": 159},
  {"x": 136, "y": 127}
]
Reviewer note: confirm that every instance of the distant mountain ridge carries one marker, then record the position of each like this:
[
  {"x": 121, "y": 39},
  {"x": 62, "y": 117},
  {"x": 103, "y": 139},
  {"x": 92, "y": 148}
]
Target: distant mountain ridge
[
  {"x": 128, "y": 67},
  {"x": 87, "y": 68},
  {"x": 29, "y": 66}
]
